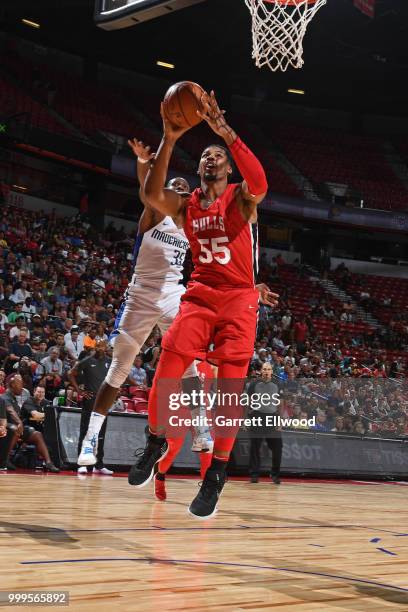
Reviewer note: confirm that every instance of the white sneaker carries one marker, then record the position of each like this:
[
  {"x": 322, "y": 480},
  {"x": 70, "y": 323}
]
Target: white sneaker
[
  {"x": 82, "y": 470},
  {"x": 202, "y": 443},
  {"x": 88, "y": 451},
  {"x": 103, "y": 471}
]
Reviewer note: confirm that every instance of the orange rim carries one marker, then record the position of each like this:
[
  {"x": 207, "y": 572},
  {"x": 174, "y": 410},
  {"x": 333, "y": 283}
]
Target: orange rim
[{"x": 291, "y": 2}]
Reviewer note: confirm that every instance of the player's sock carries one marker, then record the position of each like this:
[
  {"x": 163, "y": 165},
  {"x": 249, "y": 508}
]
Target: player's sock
[
  {"x": 95, "y": 424},
  {"x": 174, "y": 445},
  {"x": 218, "y": 464},
  {"x": 202, "y": 439},
  {"x": 205, "y": 462},
  {"x": 223, "y": 448},
  {"x": 89, "y": 446},
  {"x": 160, "y": 487}
]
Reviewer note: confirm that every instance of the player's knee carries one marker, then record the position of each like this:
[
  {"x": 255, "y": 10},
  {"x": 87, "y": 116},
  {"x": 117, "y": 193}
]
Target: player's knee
[{"x": 117, "y": 374}]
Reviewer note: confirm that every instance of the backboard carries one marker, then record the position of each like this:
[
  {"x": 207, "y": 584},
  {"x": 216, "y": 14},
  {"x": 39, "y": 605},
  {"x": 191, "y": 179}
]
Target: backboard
[{"x": 117, "y": 14}]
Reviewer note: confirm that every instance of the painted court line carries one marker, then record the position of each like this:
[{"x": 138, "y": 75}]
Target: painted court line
[
  {"x": 157, "y": 528},
  {"x": 224, "y": 564}
]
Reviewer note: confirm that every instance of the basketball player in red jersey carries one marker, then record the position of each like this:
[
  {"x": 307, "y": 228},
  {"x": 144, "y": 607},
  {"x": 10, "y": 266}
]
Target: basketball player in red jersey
[{"x": 221, "y": 302}]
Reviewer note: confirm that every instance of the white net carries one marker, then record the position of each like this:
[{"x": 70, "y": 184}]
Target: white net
[{"x": 278, "y": 29}]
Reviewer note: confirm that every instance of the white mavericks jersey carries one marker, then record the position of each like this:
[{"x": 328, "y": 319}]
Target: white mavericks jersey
[{"x": 159, "y": 254}]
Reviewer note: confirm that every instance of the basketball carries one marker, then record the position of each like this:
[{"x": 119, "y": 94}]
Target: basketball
[{"x": 181, "y": 103}]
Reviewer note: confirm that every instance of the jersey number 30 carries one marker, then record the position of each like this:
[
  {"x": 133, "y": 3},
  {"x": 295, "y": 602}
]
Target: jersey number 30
[{"x": 216, "y": 251}]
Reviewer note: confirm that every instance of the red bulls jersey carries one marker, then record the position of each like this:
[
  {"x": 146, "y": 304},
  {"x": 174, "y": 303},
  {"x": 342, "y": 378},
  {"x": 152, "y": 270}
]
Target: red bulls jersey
[{"x": 224, "y": 246}]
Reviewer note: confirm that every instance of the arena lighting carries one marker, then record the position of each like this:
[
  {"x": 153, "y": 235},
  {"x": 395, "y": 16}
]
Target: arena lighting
[
  {"x": 20, "y": 187},
  {"x": 299, "y": 92},
  {"x": 165, "y": 65},
  {"x": 32, "y": 24}
]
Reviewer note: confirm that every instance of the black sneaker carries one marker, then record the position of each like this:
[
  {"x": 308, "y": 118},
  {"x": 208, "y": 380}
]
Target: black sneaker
[
  {"x": 204, "y": 505},
  {"x": 142, "y": 472},
  {"x": 254, "y": 479},
  {"x": 275, "y": 479}
]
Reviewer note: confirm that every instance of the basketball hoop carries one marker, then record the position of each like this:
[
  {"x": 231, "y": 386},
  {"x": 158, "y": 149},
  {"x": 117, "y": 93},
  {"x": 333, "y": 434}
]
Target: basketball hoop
[{"x": 278, "y": 29}]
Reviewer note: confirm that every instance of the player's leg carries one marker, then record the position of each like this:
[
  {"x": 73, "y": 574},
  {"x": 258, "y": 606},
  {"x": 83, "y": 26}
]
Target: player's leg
[
  {"x": 187, "y": 339},
  {"x": 174, "y": 447},
  {"x": 205, "y": 462},
  {"x": 166, "y": 381},
  {"x": 135, "y": 320},
  {"x": 86, "y": 413},
  {"x": 202, "y": 440},
  {"x": 99, "y": 465},
  {"x": 231, "y": 378}
]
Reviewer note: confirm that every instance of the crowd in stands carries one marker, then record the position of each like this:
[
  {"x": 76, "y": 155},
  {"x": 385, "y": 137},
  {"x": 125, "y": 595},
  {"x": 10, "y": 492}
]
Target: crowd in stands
[
  {"x": 61, "y": 284},
  {"x": 366, "y": 394}
]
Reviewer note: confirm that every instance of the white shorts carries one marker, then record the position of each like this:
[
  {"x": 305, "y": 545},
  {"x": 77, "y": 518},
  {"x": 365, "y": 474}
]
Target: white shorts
[{"x": 142, "y": 309}]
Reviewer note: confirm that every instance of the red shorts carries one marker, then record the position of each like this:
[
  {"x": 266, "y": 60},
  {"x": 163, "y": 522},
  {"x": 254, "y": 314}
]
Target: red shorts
[{"x": 225, "y": 317}]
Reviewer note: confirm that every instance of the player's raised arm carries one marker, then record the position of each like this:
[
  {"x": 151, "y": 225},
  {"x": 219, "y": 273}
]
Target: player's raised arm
[
  {"x": 144, "y": 161},
  {"x": 254, "y": 185},
  {"x": 166, "y": 201}
]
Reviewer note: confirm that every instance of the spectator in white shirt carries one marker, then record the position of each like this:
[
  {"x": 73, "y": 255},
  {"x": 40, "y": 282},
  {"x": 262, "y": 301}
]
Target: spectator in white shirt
[
  {"x": 17, "y": 328},
  {"x": 74, "y": 344},
  {"x": 21, "y": 293}
]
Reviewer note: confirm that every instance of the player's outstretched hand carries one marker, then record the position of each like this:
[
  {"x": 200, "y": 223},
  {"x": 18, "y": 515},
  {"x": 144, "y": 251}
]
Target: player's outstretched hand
[
  {"x": 214, "y": 116},
  {"x": 171, "y": 132},
  {"x": 141, "y": 150},
  {"x": 266, "y": 296}
]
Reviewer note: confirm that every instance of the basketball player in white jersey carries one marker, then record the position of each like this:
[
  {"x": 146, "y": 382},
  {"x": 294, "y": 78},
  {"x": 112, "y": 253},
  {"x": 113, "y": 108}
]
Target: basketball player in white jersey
[{"x": 152, "y": 298}]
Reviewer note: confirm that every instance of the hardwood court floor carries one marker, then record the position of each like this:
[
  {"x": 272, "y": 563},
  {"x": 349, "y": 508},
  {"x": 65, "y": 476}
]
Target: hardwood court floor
[{"x": 301, "y": 546}]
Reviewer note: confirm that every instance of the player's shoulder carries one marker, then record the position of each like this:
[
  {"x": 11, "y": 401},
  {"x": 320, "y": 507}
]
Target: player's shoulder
[{"x": 232, "y": 194}]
